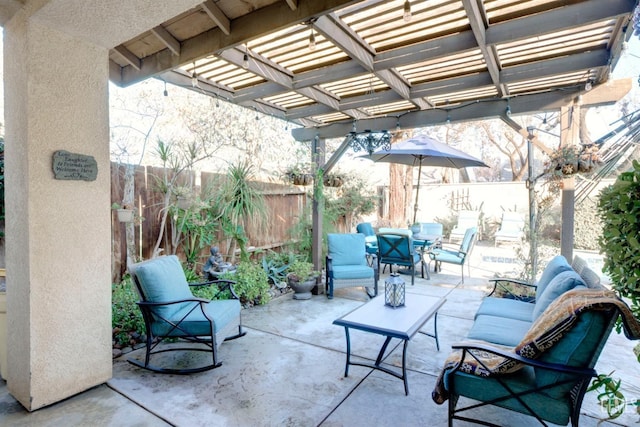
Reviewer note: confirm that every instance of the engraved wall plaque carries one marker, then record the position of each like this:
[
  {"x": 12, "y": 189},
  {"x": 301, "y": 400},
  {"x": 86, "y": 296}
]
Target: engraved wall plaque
[{"x": 73, "y": 166}]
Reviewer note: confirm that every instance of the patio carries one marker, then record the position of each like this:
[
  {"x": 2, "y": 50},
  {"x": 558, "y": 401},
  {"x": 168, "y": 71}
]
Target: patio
[{"x": 288, "y": 370}]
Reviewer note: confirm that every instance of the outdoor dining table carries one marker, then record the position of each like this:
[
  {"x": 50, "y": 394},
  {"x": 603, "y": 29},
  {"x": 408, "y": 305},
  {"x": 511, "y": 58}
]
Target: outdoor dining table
[{"x": 423, "y": 243}]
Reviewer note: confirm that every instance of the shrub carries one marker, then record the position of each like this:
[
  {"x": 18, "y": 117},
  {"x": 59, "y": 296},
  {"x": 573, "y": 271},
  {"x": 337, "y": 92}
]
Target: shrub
[
  {"x": 619, "y": 210},
  {"x": 252, "y": 283},
  {"x": 126, "y": 321}
]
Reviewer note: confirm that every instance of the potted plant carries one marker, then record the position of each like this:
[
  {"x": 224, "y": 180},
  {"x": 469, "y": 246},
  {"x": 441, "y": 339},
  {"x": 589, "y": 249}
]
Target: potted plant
[
  {"x": 183, "y": 197},
  {"x": 301, "y": 277},
  {"x": 125, "y": 212}
]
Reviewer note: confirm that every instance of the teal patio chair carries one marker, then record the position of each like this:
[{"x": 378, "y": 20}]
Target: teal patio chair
[
  {"x": 458, "y": 256},
  {"x": 347, "y": 266},
  {"x": 170, "y": 311},
  {"x": 370, "y": 239},
  {"x": 395, "y": 246}
]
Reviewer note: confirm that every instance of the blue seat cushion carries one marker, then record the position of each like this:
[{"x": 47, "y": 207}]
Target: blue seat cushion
[
  {"x": 451, "y": 257},
  {"x": 347, "y": 249},
  {"x": 561, "y": 283},
  {"x": 557, "y": 265},
  {"x": 352, "y": 272},
  {"x": 499, "y": 330},
  {"x": 162, "y": 279},
  {"x": 506, "y": 307},
  {"x": 221, "y": 312}
]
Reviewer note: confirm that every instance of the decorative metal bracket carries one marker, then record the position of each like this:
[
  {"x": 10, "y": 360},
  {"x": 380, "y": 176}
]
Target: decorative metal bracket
[{"x": 369, "y": 141}]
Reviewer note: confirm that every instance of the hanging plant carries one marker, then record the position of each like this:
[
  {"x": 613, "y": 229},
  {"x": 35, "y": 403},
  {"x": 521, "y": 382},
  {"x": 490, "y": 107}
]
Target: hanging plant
[
  {"x": 570, "y": 160},
  {"x": 298, "y": 175},
  {"x": 125, "y": 212},
  {"x": 332, "y": 180}
]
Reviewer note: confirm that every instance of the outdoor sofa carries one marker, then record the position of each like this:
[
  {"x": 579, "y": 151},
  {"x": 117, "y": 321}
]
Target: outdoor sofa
[{"x": 535, "y": 355}]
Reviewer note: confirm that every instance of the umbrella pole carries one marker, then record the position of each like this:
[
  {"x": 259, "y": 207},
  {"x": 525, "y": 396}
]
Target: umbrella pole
[{"x": 415, "y": 205}]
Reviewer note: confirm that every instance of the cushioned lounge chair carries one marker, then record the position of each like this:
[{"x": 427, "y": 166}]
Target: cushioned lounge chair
[{"x": 511, "y": 228}]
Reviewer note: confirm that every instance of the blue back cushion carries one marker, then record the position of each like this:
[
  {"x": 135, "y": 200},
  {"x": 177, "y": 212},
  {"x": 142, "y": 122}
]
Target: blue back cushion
[
  {"x": 556, "y": 266},
  {"x": 347, "y": 249},
  {"x": 365, "y": 228},
  {"x": 563, "y": 282},
  {"x": 162, "y": 279},
  {"x": 468, "y": 239}
]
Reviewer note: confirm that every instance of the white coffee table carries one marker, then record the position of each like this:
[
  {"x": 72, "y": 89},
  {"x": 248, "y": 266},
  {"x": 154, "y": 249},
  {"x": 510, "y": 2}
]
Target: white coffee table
[{"x": 402, "y": 323}]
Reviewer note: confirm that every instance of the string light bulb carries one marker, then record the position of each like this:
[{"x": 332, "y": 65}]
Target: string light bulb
[
  {"x": 194, "y": 76},
  {"x": 406, "y": 15},
  {"x": 312, "y": 40},
  {"x": 588, "y": 86},
  {"x": 165, "y": 93},
  {"x": 245, "y": 58}
]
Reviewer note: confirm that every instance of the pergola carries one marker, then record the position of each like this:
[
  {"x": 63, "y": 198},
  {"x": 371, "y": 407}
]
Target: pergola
[
  {"x": 335, "y": 67},
  {"x": 327, "y": 65}
]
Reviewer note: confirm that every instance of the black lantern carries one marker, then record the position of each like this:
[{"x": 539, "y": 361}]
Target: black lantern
[{"x": 394, "y": 291}]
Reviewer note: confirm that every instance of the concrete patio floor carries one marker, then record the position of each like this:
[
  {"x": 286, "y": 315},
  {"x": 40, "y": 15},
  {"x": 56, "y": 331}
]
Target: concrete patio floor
[{"x": 288, "y": 370}]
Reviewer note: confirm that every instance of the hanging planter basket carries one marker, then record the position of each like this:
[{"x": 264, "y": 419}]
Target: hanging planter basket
[
  {"x": 125, "y": 215},
  {"x": 333, "y": 181},
  {"x": 301, "y": 179}
]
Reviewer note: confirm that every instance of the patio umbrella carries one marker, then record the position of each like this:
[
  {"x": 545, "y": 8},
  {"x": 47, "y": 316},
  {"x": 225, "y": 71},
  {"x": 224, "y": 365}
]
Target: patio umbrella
[{"x": 424, "y": 150}]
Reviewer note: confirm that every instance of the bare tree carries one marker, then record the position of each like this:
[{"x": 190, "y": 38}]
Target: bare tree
[{"x": 513, "y": 146}]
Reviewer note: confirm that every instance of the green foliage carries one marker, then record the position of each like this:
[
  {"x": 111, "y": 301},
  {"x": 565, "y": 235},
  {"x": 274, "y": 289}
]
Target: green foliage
[
  {"x": 351, "y": 201},
  {"x": 275, "y": 265},
  {"x": 126, "y": 320},
  {"x": 239, "y": 201},
  {"x": 609, "y": 395},
  {"x": 198, "y": 226},
  {"x": 252, "y": 283},
  {"x": 619, "y": 209},
  {"x": 301, "y": 271}
]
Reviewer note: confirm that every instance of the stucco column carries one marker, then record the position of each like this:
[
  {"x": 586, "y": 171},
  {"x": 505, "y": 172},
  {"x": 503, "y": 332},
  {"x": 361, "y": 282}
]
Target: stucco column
[{"x": 57, "y": 231}]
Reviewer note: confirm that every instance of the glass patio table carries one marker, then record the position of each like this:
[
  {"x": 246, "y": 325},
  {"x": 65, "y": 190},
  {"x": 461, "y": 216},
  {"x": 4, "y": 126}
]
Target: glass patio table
[{"x": 401, "y": 322}]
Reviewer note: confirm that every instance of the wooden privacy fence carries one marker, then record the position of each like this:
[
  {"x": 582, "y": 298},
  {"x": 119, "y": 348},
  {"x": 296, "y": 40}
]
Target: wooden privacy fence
[{"x": 285, "y": 204}]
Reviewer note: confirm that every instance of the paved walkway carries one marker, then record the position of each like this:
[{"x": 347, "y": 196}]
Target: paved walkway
[{"x": 288, "y": 370}]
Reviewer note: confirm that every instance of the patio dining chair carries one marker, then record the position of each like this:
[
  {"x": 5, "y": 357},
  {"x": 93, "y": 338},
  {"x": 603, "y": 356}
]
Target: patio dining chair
[
  {"x": 395, "y": 246},
  {"x": 170, "y": 311},
  {"x": 457, "y": 256},
  {"x": 347, "y": 264},
  {"x": 370, "y": 239}
]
